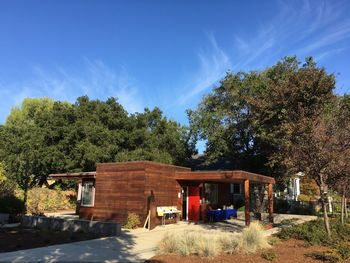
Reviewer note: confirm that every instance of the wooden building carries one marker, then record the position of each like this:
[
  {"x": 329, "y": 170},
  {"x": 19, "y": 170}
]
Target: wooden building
[{"x": 116, "y": 189}]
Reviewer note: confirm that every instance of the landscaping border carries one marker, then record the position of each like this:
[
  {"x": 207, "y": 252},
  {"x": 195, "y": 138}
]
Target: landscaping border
[{"x": 73, "y": 225}]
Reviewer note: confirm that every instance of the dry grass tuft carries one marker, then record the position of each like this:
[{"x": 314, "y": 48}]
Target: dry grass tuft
[
  {"x": 204, "y": 244},
  {"x": 210, "y": 244},
  {"x": 253, "y": 238}
]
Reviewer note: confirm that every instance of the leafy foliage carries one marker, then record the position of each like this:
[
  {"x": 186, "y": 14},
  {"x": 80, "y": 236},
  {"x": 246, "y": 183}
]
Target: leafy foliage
[
  {"x": 280, "y": 121},
  {"x": 269, "y": 255},
  {"x": 132, "y": 221},
  {"x": 45, "y": 136},
  {"x": 224, "y": 119},
  {"x": 252, "y": 118},
  {"x": 42, "y": 200},
  {"x": 327, "y": 256},
  {"x": 314, "y": 233}
]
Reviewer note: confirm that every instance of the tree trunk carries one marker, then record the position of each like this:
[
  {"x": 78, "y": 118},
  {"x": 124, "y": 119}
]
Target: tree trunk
[
  {"x": 25, "y": 197},
  {"x": 342, "y": 208},
  {"x": 325, "y": 218},
  {"x": 346, "y": 208},
  {"x": 324, "y": 206}
]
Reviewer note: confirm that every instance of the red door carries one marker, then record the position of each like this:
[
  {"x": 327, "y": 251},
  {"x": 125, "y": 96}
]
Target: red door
[{"x": 193, "y": 203}]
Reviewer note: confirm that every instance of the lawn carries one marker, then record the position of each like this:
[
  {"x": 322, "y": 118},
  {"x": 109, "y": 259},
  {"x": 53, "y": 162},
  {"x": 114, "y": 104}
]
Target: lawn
[{"x": 19, "y": 238}]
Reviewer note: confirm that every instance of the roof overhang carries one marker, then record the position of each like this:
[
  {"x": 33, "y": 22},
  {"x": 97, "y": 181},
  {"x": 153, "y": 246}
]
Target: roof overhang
[
  {"x": 73, "y": 176},
  {"x": 224, "y": 176}
]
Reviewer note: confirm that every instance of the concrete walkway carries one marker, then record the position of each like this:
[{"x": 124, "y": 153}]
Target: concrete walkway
[{"x": 132, "y": 246}]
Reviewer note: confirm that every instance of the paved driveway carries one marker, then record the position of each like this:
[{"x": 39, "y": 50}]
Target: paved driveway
[{"x": 132, "y": 246}]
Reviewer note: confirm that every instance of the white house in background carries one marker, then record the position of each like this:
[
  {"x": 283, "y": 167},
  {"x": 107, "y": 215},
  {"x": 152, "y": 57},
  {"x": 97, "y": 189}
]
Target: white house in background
[{"x": 293, "y": 189}]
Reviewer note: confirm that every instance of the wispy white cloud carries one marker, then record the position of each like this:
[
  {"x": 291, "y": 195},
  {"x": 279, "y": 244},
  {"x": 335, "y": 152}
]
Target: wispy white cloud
[
  {"x": 298, "y": 28},
  {"x": 94, "y": 79},
  {"x": 337, "y": 34},
  {"x": 213, "y": 64},
  {"x": 322, "y": 55}
]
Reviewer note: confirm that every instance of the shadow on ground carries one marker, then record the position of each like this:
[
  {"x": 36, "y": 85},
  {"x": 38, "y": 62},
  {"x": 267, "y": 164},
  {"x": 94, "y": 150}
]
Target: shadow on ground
[
  {"x": 110, "y": 249},
  {"x": 225, "y": 226}
]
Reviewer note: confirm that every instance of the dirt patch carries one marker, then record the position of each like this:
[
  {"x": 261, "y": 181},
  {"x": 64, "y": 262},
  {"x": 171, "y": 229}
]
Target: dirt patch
[
  {"x": 289, "y": 251},
  {"x": 18, "y": 239}
]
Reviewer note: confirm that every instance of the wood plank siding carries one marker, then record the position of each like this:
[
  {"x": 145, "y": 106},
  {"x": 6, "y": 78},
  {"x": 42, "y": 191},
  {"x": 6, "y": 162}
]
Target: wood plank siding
[
  {"x": 140, "y": 187},
  {"x": 134, "y": 187}
]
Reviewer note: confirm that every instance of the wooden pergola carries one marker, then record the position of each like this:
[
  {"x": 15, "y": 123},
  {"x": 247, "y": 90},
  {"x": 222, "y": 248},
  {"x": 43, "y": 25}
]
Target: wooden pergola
[
  {"x": 232, "y": 177},
  {"x": 73, "y": 176}
]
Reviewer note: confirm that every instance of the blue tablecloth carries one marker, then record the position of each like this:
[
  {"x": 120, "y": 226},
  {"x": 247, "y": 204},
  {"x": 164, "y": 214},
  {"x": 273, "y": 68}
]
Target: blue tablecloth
[
  {"x": 230, "y": 213},
  {"x": 217, "y": 215}
]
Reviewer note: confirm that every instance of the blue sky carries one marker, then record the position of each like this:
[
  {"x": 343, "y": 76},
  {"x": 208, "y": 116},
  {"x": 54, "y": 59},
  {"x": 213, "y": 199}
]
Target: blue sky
[{"x": 159, "y": 53}]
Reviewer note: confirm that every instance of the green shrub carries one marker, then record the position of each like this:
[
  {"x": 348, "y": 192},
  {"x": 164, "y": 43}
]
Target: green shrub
[
  {"x": 132, "y": 221},
  {"x": 269, "y": 255},
  {"x": 7, "y": 188},
  {"x": 312, "y": 232},
  {"x": 343, "y": 249},
  {"x": 341, "y": 232},
  {"x": 273, "y": 240},
  {"x": 42, "y": 200},
  {"x": 328, "y": 256},
  {"x": 253, "y": 238},
  {"x": 304, "y": 198}
]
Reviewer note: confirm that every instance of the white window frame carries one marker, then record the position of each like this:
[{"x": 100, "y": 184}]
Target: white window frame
[{"x": 93, "y": 193}]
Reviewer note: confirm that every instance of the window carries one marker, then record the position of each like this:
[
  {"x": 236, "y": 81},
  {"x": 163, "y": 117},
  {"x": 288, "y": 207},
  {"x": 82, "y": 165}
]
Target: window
[
  {"x": 236, "y": 189},
  {"x": 87, "y": 195},
  {"x": 211, "y": 193}
]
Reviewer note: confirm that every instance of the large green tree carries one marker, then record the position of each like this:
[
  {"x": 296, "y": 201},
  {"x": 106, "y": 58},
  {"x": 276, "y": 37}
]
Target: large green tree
[
  {"x": 251, "y": 116},
  {"x": 295, "y": 95},
  {"x": 45, "y": 136},
  {"x": 285, "y": 119},
  {"x": 224, "y": 120}
]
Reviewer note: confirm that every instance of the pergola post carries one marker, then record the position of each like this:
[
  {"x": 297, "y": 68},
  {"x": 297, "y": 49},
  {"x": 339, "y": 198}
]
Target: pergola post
[
  {"x": 270, "y": 199},
  {"x": 247, "y": 202},
  {"x": 78, "y": 203}
]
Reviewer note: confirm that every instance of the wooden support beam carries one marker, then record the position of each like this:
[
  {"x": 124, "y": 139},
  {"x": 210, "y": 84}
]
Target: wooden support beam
[
  {"x": 247, "y": 202},
  {"x": 270, "y": 199},
  {"x": 203, "y": 205}
]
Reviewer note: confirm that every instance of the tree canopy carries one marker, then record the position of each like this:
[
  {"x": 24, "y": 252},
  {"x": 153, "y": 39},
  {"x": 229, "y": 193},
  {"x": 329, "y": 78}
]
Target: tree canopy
[
  {"x": 280, "y": 121},
  {"x": 44, "y": 136},
  {"x": 251, "y": 117}
]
